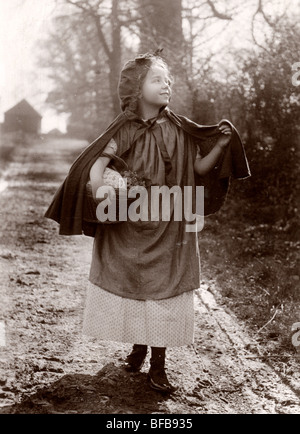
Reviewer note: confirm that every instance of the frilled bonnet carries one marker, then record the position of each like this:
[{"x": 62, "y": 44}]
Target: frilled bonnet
[{"x": 131, "y": 76}]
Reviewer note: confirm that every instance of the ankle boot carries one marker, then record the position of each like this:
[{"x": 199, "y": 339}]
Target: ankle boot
[
  {"x": 135, "y": 360},
  {"x": 157, "y": 374}
]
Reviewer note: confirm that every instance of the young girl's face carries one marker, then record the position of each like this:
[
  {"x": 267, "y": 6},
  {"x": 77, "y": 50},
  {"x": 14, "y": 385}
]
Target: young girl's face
[{"x": 156, "y": 88}]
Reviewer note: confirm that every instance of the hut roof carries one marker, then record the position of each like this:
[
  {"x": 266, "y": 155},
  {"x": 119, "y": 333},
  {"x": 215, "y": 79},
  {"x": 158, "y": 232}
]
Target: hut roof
[{"x": 23, "y": 108}]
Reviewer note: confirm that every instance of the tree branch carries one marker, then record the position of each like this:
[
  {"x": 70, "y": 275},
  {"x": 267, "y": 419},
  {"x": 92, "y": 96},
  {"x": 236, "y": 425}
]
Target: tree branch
[
  {"x": 101, "y": 36},
  {"x": 80, "y": 5},
  {"x": 96, "y": 17},
  {"x": 216, "y": 13},
  {"x": 260, "y": 10}
]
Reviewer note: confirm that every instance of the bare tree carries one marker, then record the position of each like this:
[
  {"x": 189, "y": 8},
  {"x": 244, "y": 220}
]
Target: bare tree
[
  {"x": 112, "y": 28},
  {"x": 74, "y": 63},
  {"x": 106, "y": 19}
]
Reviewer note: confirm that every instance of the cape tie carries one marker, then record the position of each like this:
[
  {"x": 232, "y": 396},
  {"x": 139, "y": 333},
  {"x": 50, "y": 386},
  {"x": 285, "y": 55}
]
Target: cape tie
[{"x": 170, "y": 179}]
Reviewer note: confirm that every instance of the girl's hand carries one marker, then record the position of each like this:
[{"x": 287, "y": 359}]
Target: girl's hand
[{"x": 225, "y": 138}]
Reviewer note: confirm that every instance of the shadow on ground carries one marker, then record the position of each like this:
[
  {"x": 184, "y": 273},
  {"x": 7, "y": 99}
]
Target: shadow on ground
[{"x": 111, "y": 391}]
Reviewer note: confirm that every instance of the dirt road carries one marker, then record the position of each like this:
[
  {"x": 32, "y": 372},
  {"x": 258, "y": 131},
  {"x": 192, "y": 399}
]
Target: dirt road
[{"x": 47, "y": 366}]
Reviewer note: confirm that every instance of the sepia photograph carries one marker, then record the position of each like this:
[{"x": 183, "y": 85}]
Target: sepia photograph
[{"x": 149, "y": 209}]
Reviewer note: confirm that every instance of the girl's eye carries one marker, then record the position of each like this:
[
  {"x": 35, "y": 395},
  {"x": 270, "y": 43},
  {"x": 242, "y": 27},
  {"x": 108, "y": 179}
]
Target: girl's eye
[{"x": 158, "y": 80}]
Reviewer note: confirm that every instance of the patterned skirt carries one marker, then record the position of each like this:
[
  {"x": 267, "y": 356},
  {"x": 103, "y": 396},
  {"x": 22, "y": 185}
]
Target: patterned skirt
[{"x": 158, "y": 323}]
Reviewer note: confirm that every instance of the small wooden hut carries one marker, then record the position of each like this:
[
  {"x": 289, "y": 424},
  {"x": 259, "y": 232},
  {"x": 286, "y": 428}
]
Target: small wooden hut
[{"x": 22, "y": 117}]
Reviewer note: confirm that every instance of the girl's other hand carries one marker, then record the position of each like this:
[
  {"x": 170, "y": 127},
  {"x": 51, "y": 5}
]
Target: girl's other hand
[{"x": 225, "y": 138}]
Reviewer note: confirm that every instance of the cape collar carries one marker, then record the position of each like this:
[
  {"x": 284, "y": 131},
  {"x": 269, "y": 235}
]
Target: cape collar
[{"x": 132, "y": 116}]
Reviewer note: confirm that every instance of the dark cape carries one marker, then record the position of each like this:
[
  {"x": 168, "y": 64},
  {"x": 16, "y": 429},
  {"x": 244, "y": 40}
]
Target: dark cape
[{"x": 67, "y": 205}]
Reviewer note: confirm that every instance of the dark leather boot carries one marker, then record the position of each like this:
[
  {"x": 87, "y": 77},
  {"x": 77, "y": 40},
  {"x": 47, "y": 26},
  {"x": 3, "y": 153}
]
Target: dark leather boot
[
  {"x": 157, "y": 374},
  {"x": 135, "y": 360}
]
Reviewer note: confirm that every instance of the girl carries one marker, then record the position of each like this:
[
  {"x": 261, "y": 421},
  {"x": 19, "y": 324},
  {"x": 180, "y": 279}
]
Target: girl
[{"x": 143, "y": 274}]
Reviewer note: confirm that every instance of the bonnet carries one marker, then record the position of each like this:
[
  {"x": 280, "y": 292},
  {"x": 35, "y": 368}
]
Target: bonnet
[{"x": 130, "y": 79}]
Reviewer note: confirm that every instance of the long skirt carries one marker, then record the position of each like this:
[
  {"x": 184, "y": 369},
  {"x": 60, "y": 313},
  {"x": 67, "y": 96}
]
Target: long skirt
[{"x": 158, "y": 323}]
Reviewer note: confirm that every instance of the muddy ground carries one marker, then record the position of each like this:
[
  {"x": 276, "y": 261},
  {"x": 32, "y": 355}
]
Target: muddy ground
[{"x": 47, "y": 366}]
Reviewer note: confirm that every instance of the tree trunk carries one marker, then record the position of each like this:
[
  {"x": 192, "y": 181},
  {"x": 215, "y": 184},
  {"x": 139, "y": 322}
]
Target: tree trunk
[
  {"x": 115, "y": 57},
  {"x": 161, "y": 25}
]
